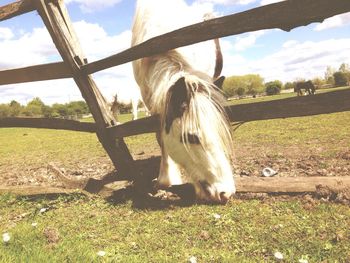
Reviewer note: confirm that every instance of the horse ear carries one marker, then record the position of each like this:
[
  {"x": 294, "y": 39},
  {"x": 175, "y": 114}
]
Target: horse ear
[
  {"x": 178, "y": 99},
  {"x": 219, "y": 82}
]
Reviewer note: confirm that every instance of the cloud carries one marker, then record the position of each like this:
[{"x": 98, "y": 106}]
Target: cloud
[
  {"x": 248, "y": 40},
  {"x": 6, "y": 33},
  {"x": 90, "y": 6},
  {"x": 31, "y": 48},
  {"x": 267, "y": 2},
  {"x": 227, "y": 2},
  {"x": 36, "y": 47},
  {"x": 333, "y": 22},
  {"x": 294, "y": 60}
]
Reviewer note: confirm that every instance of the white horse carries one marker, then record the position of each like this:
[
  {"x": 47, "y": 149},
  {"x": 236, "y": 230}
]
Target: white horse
[
  {"x": 179, "y": 86},
  {"x": 135, "y": 100}
]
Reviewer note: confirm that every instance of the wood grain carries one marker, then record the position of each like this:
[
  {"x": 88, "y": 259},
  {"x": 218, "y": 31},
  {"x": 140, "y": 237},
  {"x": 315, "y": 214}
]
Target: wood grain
[
  {"x": 49, "y": 71},
  {"x": 16, "y": 9}
]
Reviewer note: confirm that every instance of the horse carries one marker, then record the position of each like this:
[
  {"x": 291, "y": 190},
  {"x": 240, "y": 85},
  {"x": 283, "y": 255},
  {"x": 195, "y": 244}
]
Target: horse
[
  {"x": 135, "y": 101},
  {"x": 308, "y": 86},
  {"x": 180, "y": 87}
]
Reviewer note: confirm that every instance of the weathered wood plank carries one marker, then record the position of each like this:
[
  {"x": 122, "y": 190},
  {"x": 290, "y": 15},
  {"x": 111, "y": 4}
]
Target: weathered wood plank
[
  {"x": 136, "y": 127},
  {"x": 285, "y": 15},
  {"x": 290, "y": 184},
  {"x": 49, "y": 71},
  {"x": 54, "y": 15},
  {"x": 16, "y": 9},
  {"x": 278, "y": 185},
  {"x": 323, "y": 103},
  {"x": 37, "y": 190},
  {"x": 48, "y": 123}
]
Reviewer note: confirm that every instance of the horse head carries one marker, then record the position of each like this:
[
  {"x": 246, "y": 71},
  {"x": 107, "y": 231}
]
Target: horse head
[{"x": 196, "y": 135}]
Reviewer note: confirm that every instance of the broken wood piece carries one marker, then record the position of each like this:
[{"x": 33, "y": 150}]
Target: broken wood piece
[
  {"x": 276, "y": 185},
  {"x": 290, "y": 184},
  {"x": 38, "y": 190},
  {"x": 67, "y": 182}
]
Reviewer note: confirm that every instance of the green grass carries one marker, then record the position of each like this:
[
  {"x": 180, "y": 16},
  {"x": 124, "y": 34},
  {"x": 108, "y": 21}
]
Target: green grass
[
  {"x": 247, "y": 230},
  {"x": 277, "y": 97}
]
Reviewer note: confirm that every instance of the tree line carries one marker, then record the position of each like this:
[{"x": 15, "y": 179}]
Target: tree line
[
  {"x": 253, "y": 84},
  {"x": 37, "y": 108}
]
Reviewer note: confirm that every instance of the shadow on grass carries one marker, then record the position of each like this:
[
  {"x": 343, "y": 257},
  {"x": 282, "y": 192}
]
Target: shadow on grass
[{"x": 141, "y": 191}]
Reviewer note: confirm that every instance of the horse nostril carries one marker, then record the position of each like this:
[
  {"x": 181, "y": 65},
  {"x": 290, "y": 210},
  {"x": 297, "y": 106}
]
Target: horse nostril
[{"x": 224, "y": 197}]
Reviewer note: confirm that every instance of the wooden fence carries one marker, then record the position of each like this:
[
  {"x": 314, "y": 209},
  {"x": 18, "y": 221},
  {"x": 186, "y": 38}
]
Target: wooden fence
[{"x": 285, "y": 15}]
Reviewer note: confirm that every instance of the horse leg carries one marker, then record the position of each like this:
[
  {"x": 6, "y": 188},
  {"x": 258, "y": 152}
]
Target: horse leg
[
  {"x": 134, "y": 108},
  {"x": 169, "y": 172}
]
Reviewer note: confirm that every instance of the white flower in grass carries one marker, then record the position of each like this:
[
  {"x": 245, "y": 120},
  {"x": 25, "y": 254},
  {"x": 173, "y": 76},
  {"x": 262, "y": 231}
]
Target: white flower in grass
[
  {"x": 6, "y": 237},
  {"x": 192, "y": 259},
  {"x": 303, "y": 260},
  {"x": 34, "y": 224},
  {"x": 217, "y": 216},
  {"x": 43, "y": 210},
  {"x": 101, "y": 253},
  {"x": 278, "y": 255}
]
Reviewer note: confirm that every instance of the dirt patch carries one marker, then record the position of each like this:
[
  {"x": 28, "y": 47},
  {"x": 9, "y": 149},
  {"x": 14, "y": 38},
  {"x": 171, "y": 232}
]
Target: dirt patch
[{"x": 52, "y": 236}]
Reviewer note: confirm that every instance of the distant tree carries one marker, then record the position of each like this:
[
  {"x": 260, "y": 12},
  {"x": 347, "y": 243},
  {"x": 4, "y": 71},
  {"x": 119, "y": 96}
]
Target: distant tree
[
  {"x": 59, "y": 110},
  {"x": 124, "y": 107},
  {"x": 34, "y": 107},
  {"x": 240, "y": 91},
  {"x": 4, "y": 110},
  {"x": 15, "y": 108},
  {"x": 328, "y": 75},
  {"x": 344, "y": 67},
  {"x": 340, "y": 79},
  {"x": 273, "y": 87},
  {"x": 250, "y": 84},
  {"x": 289, "y": 85},
  {"x": 47, "y": 111},
  {"x": 77, "y": 108},
  {"x": 318, "y": 82}
]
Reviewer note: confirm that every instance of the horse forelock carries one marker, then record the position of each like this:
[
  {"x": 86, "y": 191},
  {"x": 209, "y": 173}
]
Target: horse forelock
[{"x": 204, "y": 116}]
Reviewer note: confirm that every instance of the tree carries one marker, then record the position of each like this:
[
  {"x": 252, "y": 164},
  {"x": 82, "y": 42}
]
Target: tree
[
  {"x": 240, "y": 91},
  {"x": 34, "y": 107},
  {"x": 59, "y": 110},
  {"x": 4, "y": 110},
  {"x": 15, "y": 108},
  {"x": 340, "y": 79},
  {"x": 250, "y": 84},
  {"x": 318, "y": 82},
  {"x": 273, "y": 87},
  {"x": 344, "y": 67},
  {"x": 328, "y": 75},
  {"x": 289, "y": 85}
]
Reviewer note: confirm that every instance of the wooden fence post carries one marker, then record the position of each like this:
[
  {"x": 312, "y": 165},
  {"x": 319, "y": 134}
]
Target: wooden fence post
[{"x": 57, "y": 21}]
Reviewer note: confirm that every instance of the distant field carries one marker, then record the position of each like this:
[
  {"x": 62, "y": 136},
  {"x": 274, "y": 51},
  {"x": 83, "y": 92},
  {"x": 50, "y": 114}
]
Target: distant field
[
  {"x": 277, "y": 97},
  {"x": 75, "y": 228}
]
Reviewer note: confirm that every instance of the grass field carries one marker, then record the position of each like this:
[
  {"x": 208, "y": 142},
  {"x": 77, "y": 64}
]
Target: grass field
[{"x": 76, "y": 228}]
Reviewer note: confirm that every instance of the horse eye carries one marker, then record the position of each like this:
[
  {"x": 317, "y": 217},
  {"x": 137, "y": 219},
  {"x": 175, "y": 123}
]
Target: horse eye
[{"x": 190, "y": 138}]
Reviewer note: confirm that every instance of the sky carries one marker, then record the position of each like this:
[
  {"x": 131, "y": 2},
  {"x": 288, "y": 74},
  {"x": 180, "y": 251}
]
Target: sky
[{"x": 104, "y": 28}]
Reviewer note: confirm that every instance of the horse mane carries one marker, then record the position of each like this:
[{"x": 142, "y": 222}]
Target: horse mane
[{"x": 205, "y": 115}]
